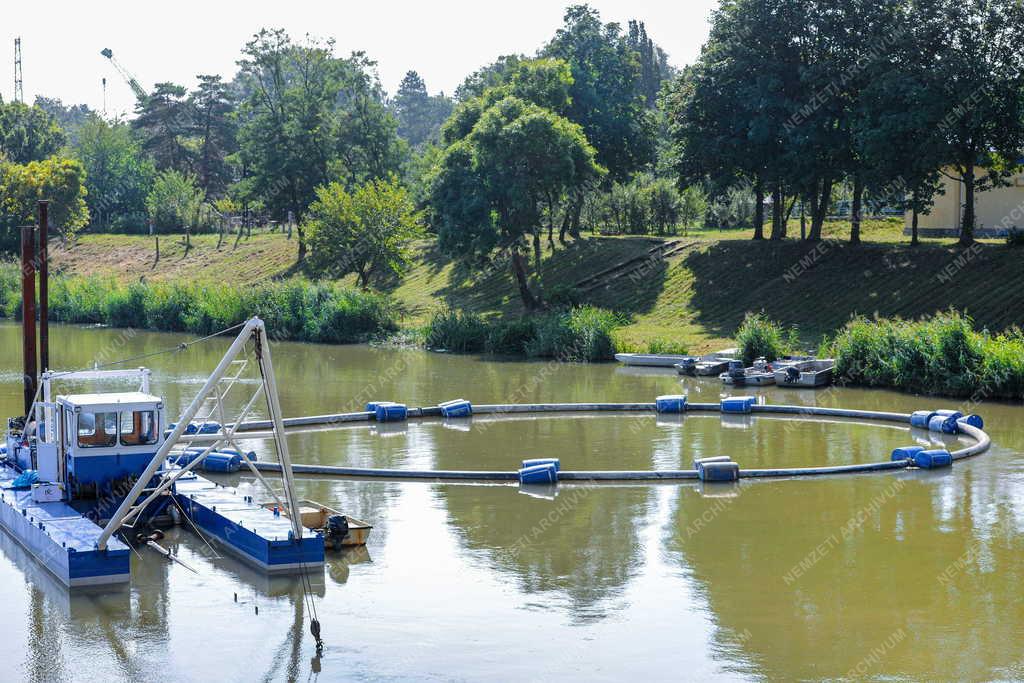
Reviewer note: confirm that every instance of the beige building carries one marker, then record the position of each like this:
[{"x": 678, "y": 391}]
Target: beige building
[{"x": 996, "y": 211}]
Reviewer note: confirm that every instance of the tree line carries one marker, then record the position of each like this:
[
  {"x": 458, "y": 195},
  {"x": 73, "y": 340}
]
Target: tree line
[
  {"x": 797, "y": 95},
  {"x": 788, "y": 100}
]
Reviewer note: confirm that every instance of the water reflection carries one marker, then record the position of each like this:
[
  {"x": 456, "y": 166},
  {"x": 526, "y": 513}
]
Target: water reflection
[{"x": 599, "y": 583}]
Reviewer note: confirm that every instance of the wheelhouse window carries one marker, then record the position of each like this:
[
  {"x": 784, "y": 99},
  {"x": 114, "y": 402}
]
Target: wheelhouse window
[
  {"x": 138, "y": 428},
  {"x": 97, "y": 430}
]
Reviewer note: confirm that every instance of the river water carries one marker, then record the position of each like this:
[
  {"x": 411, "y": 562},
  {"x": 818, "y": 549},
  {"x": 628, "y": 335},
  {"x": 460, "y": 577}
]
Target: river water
[{"x": 907, "y": 576}]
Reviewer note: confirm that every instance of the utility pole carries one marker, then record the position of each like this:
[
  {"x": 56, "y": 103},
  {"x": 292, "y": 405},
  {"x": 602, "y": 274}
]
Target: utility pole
[{"x": 19, "y": 89}]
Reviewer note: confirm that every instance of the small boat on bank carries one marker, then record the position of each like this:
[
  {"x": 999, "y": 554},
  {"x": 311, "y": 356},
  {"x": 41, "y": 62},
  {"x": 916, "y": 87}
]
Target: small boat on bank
[
  {"x": 650, "y": 360},
  {"x": 761, "y": 373},
  {"x": 339, "y": 530},
  {"x": 807, "y": 373}
]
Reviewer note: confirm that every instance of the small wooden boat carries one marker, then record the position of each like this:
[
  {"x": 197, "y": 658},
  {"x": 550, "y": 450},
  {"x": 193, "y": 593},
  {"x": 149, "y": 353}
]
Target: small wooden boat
[
  {"x": 650, "y": 360},
  {"x": 339, "y": 530},
  {"x": 807, "y": 373},
  {"x": 760, "y": 373}
]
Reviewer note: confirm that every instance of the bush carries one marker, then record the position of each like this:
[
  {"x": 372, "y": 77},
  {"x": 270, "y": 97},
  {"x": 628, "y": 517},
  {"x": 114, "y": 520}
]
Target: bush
[
  {"x": 581, "y": 334},
  {"x": 759, "y": 337},
  {"x": 126, "y": 307},
  {"x": 942, "y": 354},
  {"x": 452, "y": 330},
  {"x": 292, "y": 310},
  {"x": 511, "y": 337}
]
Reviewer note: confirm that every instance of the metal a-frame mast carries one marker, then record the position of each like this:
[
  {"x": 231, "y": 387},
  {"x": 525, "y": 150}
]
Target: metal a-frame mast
[{"x": 212, "y": 394}]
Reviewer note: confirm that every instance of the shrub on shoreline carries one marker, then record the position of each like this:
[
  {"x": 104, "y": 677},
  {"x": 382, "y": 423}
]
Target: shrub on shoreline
[
  {"x": 942, "y": 354},
  {"x": 759, "y": 337},
  {"x": 578, "y": 334},
  {"x": 293, "y": 310}
]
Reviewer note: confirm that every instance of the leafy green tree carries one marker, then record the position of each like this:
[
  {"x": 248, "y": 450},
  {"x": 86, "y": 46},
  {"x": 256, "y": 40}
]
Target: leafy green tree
[
  {"x": 898, "y": 129},
  {"x": 366, "y": 143},
  {"x": 728, "y": 114},
  {"x": 28, "y": 133},
  {"x": 368, "y": 232},
  {"x": 607, "y": 97},
  {"x": 665, "y": 205},
  {"x": 492, "y": 186},
  {"x": 627, "y": 208},
  {"x": 118, "y": 175},
  {"x": 57, "y": 179},
  {"x": 69, "y": 117},
  {"x": 979, "y": 73},
  {"x": 309, "y": 118},
  {"x": 174, "y": 200},
  {"x": 490, "y": 76},
  {"x": 654, "y": 66},
  {"x": 693, "y": 205},
  {"x": 165, "y": 123},
  {"x": 419, "y": 114},
  {"x": 214, "y": 129}
]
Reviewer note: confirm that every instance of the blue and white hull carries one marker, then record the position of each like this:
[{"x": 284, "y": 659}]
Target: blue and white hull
[{"x": 61, "y": 539}]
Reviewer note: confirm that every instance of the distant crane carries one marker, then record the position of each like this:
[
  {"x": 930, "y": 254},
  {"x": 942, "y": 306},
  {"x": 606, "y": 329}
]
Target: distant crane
[{"x": 133, "y": 83}]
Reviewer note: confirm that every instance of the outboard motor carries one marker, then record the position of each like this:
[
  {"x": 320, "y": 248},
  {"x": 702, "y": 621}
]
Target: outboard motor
[
  {"x": 792, "y": 374},
  {"x": 337, "y": 530},
  {"x": 736, "y": 371}
]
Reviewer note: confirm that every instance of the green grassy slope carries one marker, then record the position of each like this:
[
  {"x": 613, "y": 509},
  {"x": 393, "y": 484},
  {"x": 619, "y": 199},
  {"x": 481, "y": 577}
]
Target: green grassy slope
[{"x": 691, "y": 289}]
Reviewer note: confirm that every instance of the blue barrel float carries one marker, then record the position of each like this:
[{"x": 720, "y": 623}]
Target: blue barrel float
[
  {"x": 670, "y": 403},
  {"x": 723, "y": 470},
  {"x": 928, "y": 460},
  {"x": 738, "y": 404},
  {"x": 221, "y": 462},
  {"x": 944, "y": 423},
  {"x": 386, "y": 411},
  {"x": 973, "y": 420},
  {"x": 459, "y": 407},
  {"x": 539, "y": 474},
  {"x": 921, "y": 418},
  {"x": 905, "y": 453}
]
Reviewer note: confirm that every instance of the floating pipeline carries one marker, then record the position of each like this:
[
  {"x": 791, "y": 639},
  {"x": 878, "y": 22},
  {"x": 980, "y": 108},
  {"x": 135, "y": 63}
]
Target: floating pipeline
[{"x": 717, "y": 468}]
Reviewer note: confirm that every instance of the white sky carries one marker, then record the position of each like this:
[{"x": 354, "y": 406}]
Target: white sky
[{"x": 444, "y": 40}]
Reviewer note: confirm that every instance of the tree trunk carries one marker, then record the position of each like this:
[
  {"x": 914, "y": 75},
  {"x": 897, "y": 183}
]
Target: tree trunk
[
  {"x": 778, "y": 230},
  {"x": 967, "y": 226},
  {"x": 819, "y": 208},
  {"x": 577, "y": 210},
  {"x": 858, "y": 197},
  {"x": 564, "y": 228},
  {"x": 758, "y": 209},
  {"x": 536, "y": 252},
  {"x": 302, "y": 245},
  {"x": 519, "y": 270},
  {"x": 803, "y": 220},
  {"x": 913, "y": 224}
]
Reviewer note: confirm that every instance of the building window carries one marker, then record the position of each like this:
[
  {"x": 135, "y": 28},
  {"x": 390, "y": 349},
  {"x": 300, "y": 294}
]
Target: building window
[
  {"x": 97, "y": 430},
  {"x": 138, "y": 428}
]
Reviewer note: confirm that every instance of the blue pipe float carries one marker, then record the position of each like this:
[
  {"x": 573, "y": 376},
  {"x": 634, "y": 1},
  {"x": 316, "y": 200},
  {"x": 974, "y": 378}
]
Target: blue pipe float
[{"x": 719, "y": 468}]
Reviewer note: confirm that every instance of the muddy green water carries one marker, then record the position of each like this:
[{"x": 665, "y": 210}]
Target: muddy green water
[{"x": 910, "y": 576}]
